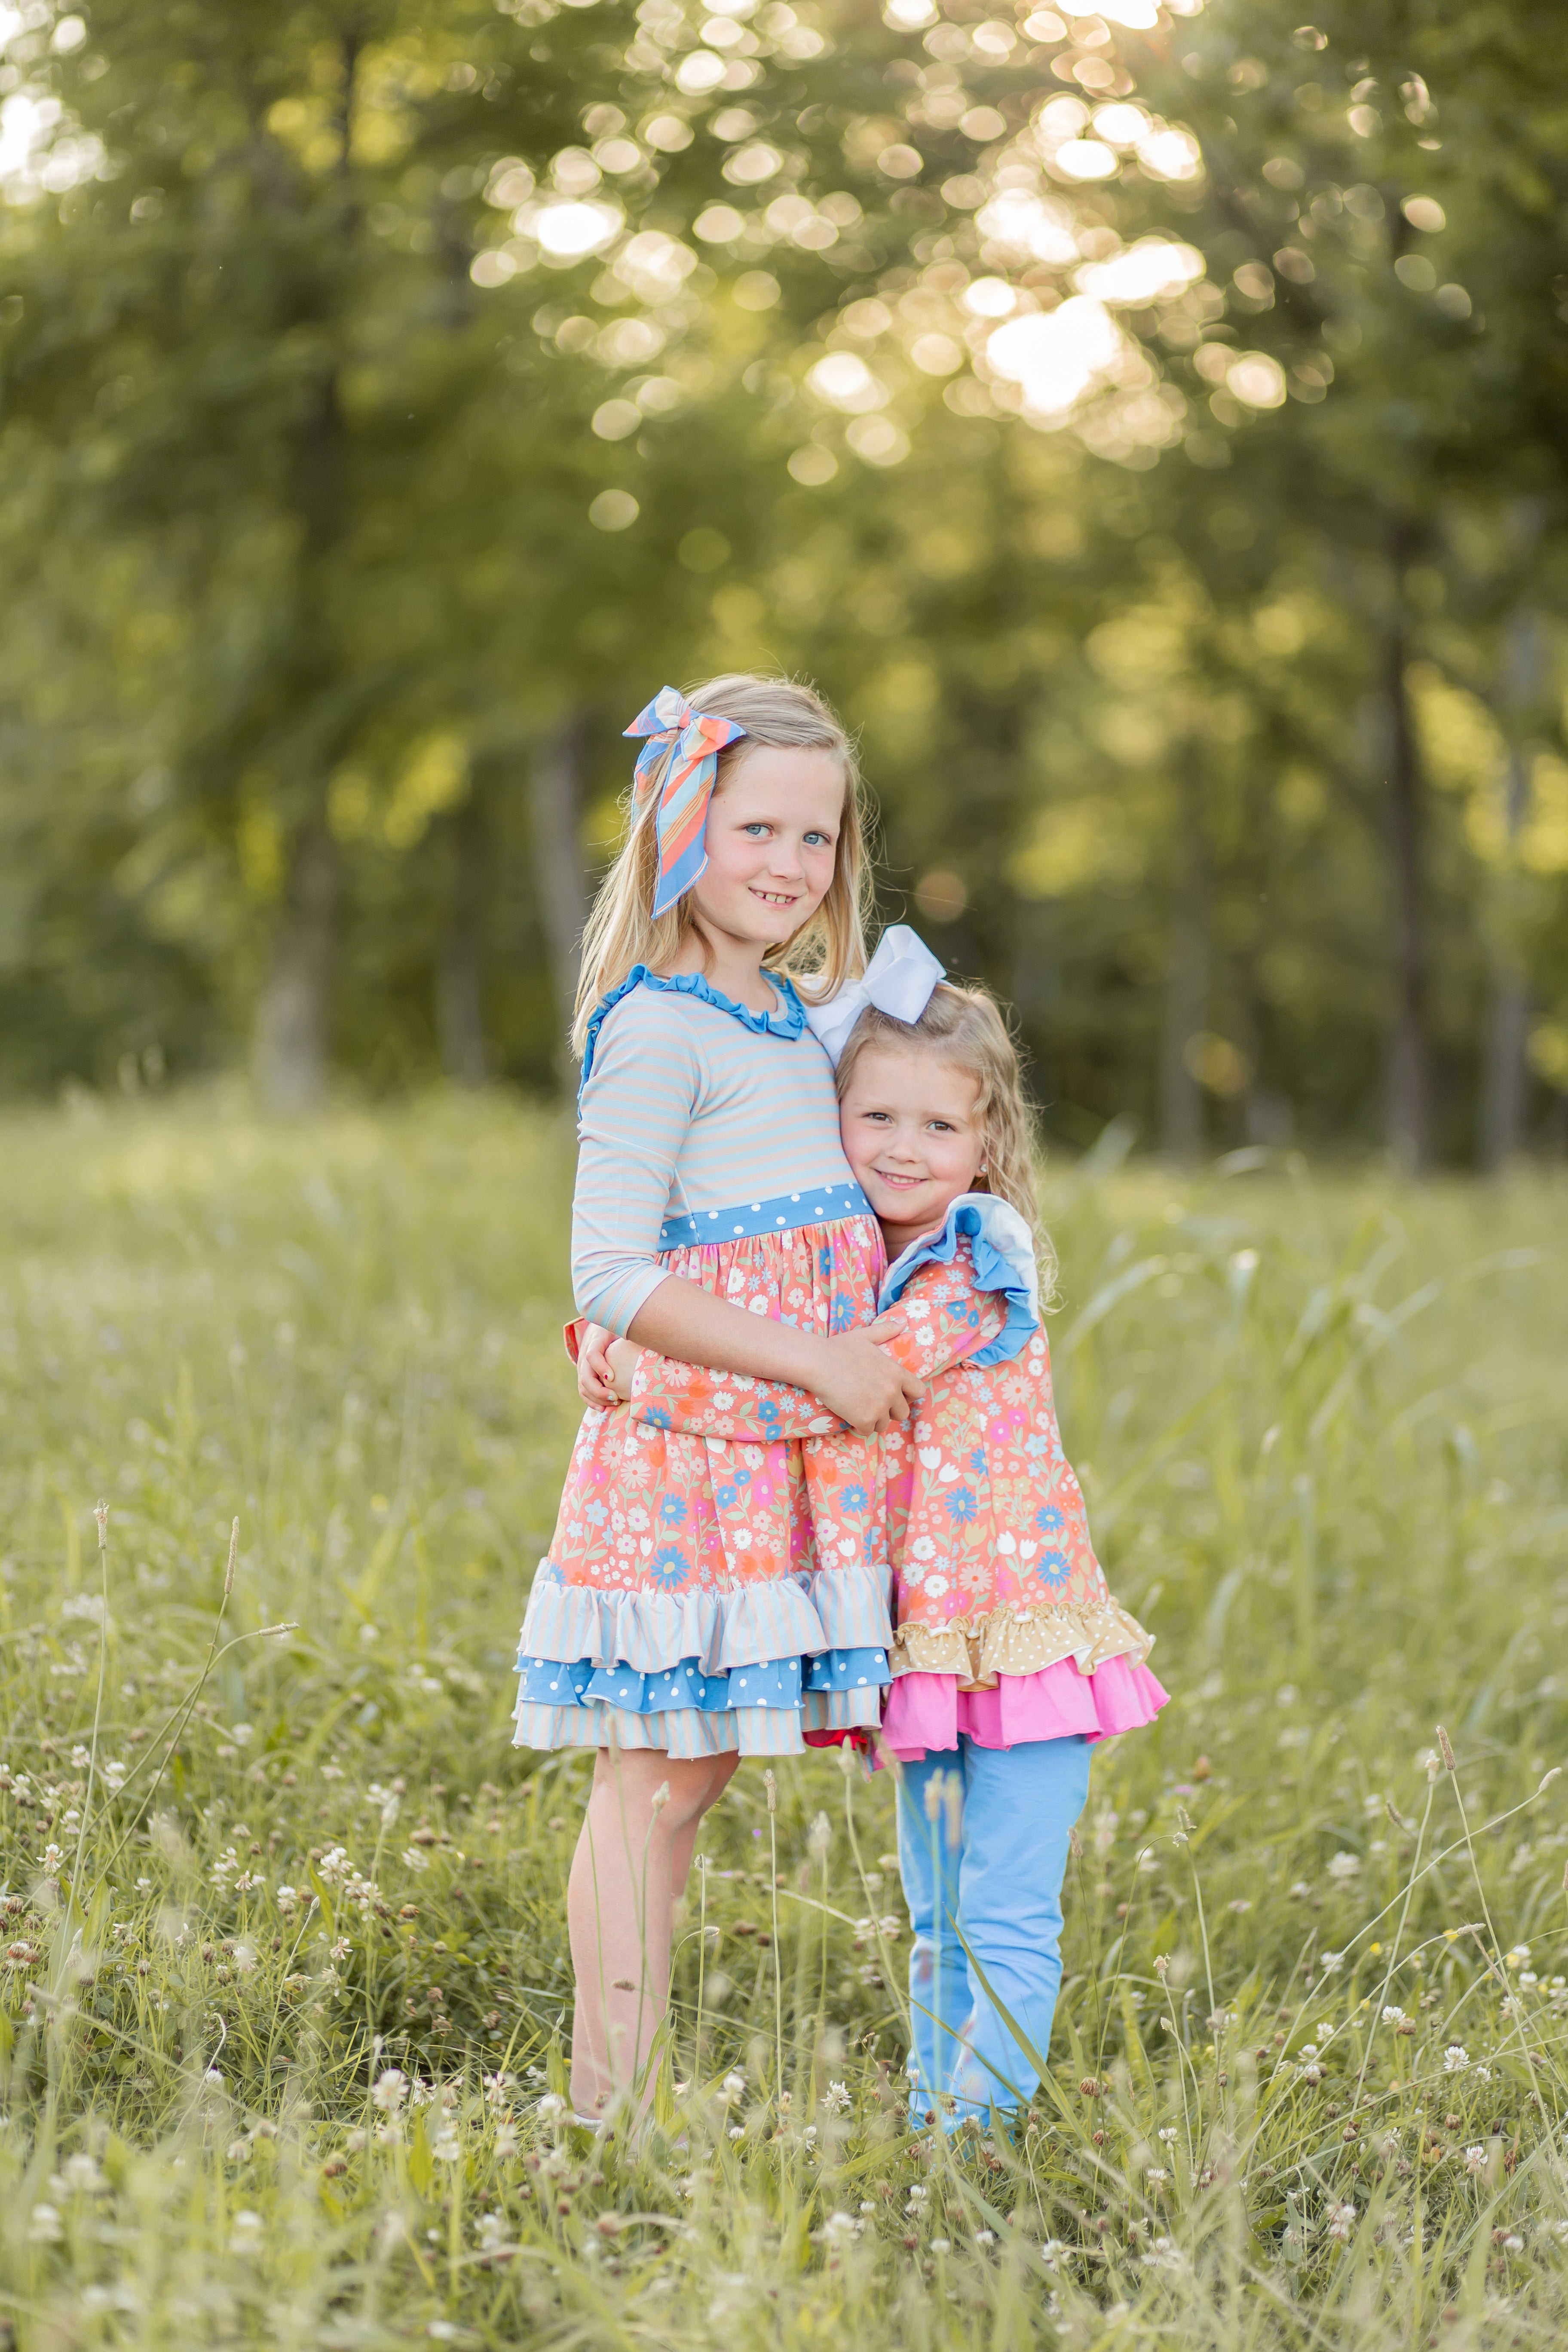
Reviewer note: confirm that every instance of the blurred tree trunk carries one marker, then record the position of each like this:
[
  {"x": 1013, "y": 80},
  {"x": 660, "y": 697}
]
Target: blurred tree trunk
[
  {"x": 1187, "y": 968},
  {"x": 1504, "y": 1068},
  {"x": 1408, "y": 1096},
  {"x": 291, "y": 1017},
  {"x": 555, "y": 781},
  {"x": 460, "y": 980},
  {"x": 294, "y": 1014}
]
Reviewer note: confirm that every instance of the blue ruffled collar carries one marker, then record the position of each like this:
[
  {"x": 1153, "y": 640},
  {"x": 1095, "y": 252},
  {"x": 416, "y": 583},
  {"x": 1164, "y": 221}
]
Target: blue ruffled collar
[
  {"x": 789, "y": 1022},
  {"x": 1002, "y": 1251}
]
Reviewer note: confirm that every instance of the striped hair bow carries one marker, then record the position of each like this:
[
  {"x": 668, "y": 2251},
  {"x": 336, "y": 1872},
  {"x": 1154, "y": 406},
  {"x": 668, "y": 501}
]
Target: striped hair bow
[
  {"x": 899, "y": 980},
  {"x": 694, "y": 740}
]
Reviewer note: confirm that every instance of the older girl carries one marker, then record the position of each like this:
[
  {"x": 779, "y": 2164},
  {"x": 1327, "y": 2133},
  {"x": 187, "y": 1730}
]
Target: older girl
[{"x": 703, "y": 1599}]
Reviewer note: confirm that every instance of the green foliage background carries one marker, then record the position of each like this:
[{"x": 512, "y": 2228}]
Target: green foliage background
[{"x": 1224, "y": 738}]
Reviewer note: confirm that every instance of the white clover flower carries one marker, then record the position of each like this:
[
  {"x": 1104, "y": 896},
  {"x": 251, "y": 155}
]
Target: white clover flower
[
  {"x": 414, "y": 1860},
  {"x": 506, "y": 2142},
  {"x": 1481, "y": 2074},
  {"x": 1167, "y": 2132},
  {"x": 82, "y": 2173},
  {"x": 552, "y": 2105},
  {"x": 245, "y": 2236},
  {"x": 1456, "y": 2058},
  {"x": 1156, "y": 2176},
  {"x": 1476, "y": 2158},
  {"x": 1329, "y": 1961},
  {"x": 836, "y": 2098},
  {"x": 445, "y": 2146},
  {"x": 391, "y": 2089},
  {"x": 1392, "y": 2016},
  {"x": 1344, "y": 1865},
  {"x": 734, "y": 2086}
]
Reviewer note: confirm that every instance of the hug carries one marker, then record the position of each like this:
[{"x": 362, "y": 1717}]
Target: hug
[{"x": 818, "y": 1493}]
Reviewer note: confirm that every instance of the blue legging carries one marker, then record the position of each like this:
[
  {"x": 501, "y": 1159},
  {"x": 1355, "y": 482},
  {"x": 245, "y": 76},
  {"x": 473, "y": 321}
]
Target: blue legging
[{"x": 982, "y": 1850}]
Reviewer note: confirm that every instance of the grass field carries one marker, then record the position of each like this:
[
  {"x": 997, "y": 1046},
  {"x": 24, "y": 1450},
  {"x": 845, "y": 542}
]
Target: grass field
[{"x": 282, "y": 2009}]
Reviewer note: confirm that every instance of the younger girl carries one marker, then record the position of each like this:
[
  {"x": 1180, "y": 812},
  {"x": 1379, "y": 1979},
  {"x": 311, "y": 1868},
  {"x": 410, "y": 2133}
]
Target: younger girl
[
  {"x": 1012, "y": 1658},
  {"x": 703, "y": 1599}
]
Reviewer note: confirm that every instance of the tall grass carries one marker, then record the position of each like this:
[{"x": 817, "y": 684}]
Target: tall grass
[{"x": 283, "y": 2013}]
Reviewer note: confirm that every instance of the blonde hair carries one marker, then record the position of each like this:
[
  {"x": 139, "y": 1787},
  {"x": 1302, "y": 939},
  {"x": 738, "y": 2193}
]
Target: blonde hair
[
  {"x": 783, "y": 714},
  {"x": 965, "y": 1026}
]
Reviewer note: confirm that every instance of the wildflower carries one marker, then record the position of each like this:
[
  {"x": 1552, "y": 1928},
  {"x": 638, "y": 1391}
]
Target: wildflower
[
  {"x": 1475, "y": 2158},
  {"x": 1341, "y": 2222},
  {"x": 836, "y": 2098},
  {"x": 1517, "y": 1957},
  {"x": 551, "y": 2105},
  {"x": 1481, "y": 2074},
  {"x": 986, "y": 2237},
  {"x": 1344, "y": 1865},
  {"x": 415, "y": 1860},
  {"x": 1392, "y": 2016},
  {"x": 44, "y": 2227},
  {"x": 80, "y": 1760},
  {"x": 1329, "y": 1961},
  {"x": 942, "y": 2245},
  {"x": 245, "y": 2238},
  {"x": 445, "y": 2146},
  {"x": 80, "y": 2172},
  {"x": 51, "y": 1862},
  {"x": 838, "y": 2226},
  {"x": 506, "y": 2141},
  {"x": 1456, "y": 2058},
  {"x": 287, "y": 1899},
  {"x": 1167, "y": 2132},
  {"x": 1239, "y": 1906},
  {"x": 239, "y": 2151},
  {"x": 391, "y": 2089},
  {"x": 734, "y": 2086},
  {"x": 1156, "y": 2176}
]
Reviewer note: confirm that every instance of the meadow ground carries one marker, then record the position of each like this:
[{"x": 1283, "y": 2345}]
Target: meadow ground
[{"x": 284, "y": 1977}]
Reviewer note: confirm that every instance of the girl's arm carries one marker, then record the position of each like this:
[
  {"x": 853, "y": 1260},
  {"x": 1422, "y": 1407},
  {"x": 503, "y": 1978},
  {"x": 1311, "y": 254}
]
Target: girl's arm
[
  {"x": 645, "y": 1090},
  {"x": 941, "y": 1318}
]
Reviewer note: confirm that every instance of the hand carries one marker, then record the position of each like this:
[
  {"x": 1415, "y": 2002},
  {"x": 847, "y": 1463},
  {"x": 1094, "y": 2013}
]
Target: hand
[
  {"x": 622, "y": 1356},
  {"x": 863, "y": 1385},
  {"x": 595, "y": 1375}
]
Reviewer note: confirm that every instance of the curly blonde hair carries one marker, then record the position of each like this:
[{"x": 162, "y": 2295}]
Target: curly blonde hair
[
  {"x": 964, "y": 1026},
  {"x": 785, "y": 714}
]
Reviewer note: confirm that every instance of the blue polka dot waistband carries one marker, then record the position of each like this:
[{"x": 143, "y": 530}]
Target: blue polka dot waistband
[{"x": 820, "y": 1204}]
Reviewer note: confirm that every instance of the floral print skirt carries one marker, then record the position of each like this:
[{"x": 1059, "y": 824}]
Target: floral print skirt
[{"x": 702, "y": 1594}]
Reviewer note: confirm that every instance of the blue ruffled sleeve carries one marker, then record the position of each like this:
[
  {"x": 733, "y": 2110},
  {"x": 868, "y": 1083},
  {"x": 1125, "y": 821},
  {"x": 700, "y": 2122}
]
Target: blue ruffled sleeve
[{"x": 1003, "y": 1250}]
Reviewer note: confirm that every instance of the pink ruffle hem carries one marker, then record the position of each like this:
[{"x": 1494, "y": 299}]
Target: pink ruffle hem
[{"x": 926, "y": 1712}]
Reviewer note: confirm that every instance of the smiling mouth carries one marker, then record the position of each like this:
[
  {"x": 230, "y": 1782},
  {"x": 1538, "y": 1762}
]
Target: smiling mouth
[
  {"x": 886, "y": 1176},
  {"x": 772, "y": 898}
]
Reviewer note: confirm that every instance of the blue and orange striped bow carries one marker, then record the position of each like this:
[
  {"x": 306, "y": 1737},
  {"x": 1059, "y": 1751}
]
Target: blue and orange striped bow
[{"x": 694, "y": 740}]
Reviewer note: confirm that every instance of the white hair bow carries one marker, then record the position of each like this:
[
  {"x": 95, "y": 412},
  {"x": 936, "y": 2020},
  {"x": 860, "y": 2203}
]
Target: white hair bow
[{"x": 899, "y": 981}]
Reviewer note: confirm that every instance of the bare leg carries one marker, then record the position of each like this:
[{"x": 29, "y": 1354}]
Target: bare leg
[
  {"x": 618, "y": 1904},
  {"x": 683, "y": 1844}
]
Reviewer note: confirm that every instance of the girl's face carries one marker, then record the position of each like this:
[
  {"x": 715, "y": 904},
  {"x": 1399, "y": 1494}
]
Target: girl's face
[
  {"x": 772, "y": 843},
  {"x": 911, "y": 1134}
]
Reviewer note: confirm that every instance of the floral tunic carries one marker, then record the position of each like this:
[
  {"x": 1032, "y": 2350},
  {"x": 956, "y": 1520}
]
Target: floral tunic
[
  {"x": 701, "y": 1593},
  {"x": 995, "y": 1580}
]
